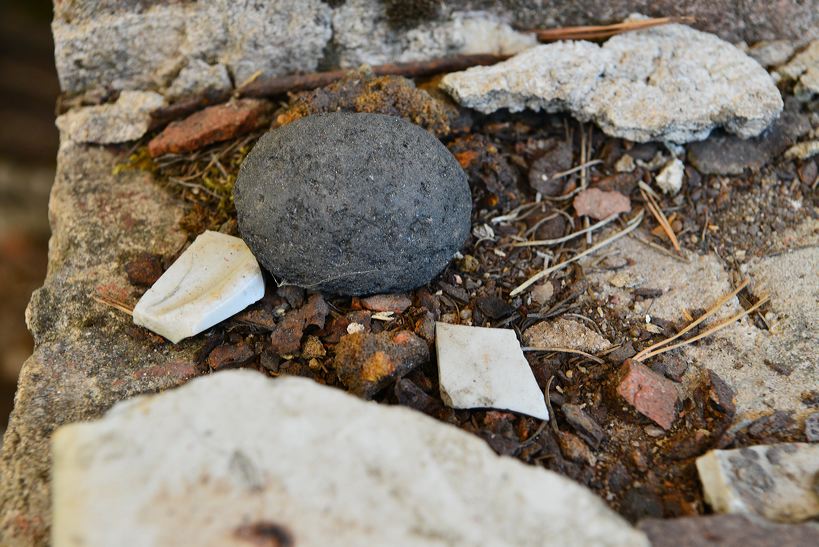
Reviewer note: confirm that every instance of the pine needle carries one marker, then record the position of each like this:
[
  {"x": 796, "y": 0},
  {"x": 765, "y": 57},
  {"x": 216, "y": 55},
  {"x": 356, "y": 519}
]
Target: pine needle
[
  {"x": 545, "y": 242},
  {"x": 710, "y": 331},
  {"x": 630, "y": 227},
  {"x": 121, "y": 306},
  {"x": 711, "y": 311},
  {"x": 599, "y": 32},
  {"x": 655, "y": 210}
]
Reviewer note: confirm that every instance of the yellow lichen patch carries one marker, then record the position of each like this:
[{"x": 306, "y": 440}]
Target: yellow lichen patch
[
  {"x": 362, "y": 92},
  {"x": 378, "y": 366}
]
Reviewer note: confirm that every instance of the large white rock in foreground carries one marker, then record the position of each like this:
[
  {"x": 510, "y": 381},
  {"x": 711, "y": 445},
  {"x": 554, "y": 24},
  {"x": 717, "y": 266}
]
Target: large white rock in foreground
[
  {"x": 236, "y": 457},
  {"x": 668, "y": 83},
  {"x": 216, "y": 277}
]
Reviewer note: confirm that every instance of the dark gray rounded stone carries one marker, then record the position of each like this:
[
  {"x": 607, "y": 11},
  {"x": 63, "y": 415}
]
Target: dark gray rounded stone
[{"x": 352, "y": 203}]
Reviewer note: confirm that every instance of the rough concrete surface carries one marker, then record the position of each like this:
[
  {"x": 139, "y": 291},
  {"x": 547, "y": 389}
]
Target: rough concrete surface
[
  {"x": 768, "y": 370},
  {"x": 84, "y": 358},
  {"x": 102, "y": 43}
]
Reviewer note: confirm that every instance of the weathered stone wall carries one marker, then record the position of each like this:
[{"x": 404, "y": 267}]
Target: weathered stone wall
[{"x": 185, "y": 47}]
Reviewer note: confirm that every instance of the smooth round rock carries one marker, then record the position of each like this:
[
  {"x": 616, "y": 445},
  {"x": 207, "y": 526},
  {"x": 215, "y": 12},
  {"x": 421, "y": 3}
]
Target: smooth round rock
[{"x": 352, "y": 203}]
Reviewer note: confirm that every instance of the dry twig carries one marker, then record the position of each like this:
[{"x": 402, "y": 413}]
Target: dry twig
[{"x": 630, "y": 227}]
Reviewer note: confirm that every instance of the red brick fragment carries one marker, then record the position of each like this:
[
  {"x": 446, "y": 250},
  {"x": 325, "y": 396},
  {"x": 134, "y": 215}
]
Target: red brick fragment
[
  {"x": 212, "y": 124},
  {"x": 651, "y": 394}
]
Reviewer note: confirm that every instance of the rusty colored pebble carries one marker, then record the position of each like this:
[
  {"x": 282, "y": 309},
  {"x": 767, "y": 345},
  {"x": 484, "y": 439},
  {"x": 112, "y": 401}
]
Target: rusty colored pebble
[
  {"x": 228, "y": 355},
  {"x": 366, "y": 363},
  {"x": 651, "y": 394},
  {"x": 212, "y": 124}
]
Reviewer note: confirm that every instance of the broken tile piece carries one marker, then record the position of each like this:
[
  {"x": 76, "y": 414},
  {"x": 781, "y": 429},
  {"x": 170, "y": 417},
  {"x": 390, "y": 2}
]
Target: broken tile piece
[
  {"x": 775, "y": 481},
  {"x": 213, "y": 124},
  {"x": 215, "y": 278},
  {"x": 485, "y": 368}
]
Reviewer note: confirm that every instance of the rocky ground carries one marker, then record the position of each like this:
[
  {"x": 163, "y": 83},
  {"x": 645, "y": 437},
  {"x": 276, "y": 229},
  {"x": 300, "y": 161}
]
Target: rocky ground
[
  {"x": 122, "y": 214},
  {"x": 761, "y": 223}
]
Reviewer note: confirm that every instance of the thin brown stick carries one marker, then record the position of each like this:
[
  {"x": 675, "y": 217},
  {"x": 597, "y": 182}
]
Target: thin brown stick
[
  {"x": 279, "y": 85},
  {"x": 711, "y": 311},
  {"x": 710, "y": 331},
  {"x": 599, "y": 32}
]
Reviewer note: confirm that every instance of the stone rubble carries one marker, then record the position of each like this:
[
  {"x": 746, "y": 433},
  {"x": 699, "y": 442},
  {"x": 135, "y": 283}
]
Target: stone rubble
[
  {"x": 215, "y": 278},
  {"x": 126, "y": 119},
  {"x": 670, "y": 177},
  {"x": 771, "y": 53},
  {"x": 777, "y": 482},
  {"x": 803, "y": 150},
  {"x": 804, "y": 69},
  {"x": 722, "y": 154},
  {"x": 485, "y": 368},
  {"x": 189, "y": 467},
  {"x": 726, "y": 531},
  {"x": 669, "y": 83}
]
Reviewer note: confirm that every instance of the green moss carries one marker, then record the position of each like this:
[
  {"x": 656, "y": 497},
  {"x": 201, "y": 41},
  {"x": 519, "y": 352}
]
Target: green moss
[{"x": 204, "y": 179}]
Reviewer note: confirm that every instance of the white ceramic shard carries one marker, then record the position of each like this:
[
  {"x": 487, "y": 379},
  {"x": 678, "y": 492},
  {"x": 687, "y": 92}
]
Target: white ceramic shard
[
  {"x": 776, "y": 481},
  {"x": 485, "y": 368},
  {"x": 216, "y": 277},
  {"x": 239, "y": 459}
]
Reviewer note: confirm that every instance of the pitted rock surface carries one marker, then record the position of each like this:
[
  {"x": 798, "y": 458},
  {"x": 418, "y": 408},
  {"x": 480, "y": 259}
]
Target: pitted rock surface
[
  {"x": 352, "y": 204},
  {"x": 669, "y": 83}
]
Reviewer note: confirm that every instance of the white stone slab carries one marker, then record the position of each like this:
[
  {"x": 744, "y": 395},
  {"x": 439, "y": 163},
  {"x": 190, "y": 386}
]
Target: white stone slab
[
  {"x": 235, "y": 458},
  {"x": 485, "y": 368},
  {"x": 215, "y": 278},
  {"x": 776, "y": 481}
]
